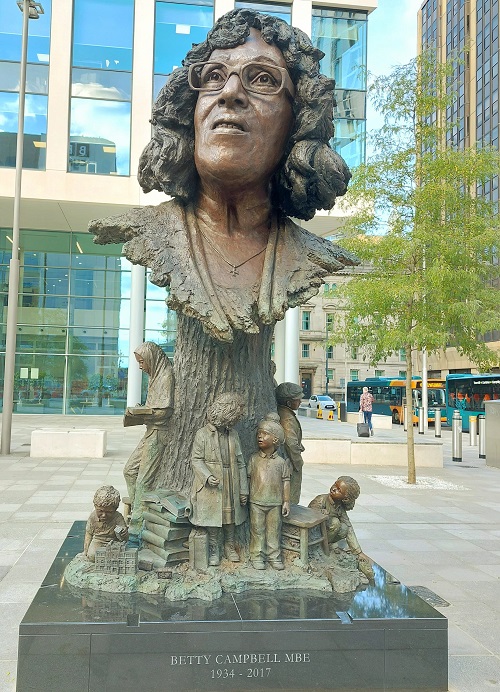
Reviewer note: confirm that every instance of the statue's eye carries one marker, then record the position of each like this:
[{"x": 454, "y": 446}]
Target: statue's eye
[{"x": 213, "y": 76}]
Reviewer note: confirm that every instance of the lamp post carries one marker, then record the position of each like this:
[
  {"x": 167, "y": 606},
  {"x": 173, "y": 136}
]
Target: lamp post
[{"x": 30, "y": 10}]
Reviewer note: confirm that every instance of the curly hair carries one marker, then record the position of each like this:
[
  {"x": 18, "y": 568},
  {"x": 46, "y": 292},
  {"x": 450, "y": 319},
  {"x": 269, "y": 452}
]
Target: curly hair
[
  {"x": 107, "y": 496},
  {"x": 226, "y": 410},
  {"x": 353, "y": 491},
  {"x": 310, "y": 174}
]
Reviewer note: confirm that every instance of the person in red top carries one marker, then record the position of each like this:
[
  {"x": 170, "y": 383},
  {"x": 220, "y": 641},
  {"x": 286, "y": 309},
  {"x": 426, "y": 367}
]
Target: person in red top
[{"x": 366, "y": 406}]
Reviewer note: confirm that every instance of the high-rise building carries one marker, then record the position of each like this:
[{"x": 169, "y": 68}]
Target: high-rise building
[
  {"x": 469, "y": 27},
  {"x": 94, "y": 69}
]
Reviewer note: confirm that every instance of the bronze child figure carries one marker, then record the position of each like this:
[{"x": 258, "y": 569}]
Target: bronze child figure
[
  {"x": 220, "y": 489},
  {"x": 269, "y": 476},
  {"x": 105, "y": 524},
  {"x": 335, "y": 504}
]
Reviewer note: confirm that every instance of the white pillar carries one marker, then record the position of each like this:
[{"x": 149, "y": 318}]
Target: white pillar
[
  {"x": 425, "y": 390},
  {"x": 302, "y": 15},
  {"x": 292, "y": 345},
  {"x": 136, "y": 334},
  {"x": 279, "y": 351}
]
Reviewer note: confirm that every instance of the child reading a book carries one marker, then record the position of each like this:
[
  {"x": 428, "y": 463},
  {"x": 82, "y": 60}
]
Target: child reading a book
[{"x": 105, "y": 524}]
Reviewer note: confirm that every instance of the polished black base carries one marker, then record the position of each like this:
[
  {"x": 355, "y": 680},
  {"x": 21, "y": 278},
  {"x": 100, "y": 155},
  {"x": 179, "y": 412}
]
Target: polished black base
[{"x": 381, "y": 638}]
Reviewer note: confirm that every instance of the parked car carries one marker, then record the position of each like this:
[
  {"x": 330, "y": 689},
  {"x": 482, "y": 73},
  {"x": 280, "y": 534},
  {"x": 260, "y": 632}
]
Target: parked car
[{"x": 322, "y": 401}]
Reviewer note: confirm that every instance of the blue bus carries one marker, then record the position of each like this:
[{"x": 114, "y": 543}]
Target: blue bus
[
  {"x": 467, "y": 394},
  {"x": 389, "y": 394}
]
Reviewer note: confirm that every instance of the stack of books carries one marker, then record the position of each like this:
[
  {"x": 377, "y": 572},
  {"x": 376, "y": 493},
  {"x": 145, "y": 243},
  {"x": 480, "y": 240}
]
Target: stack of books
[{"x": 166, "y": 525}]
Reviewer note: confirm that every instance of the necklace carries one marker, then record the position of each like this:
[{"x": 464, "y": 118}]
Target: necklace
[{"x": 234, "y": 267}]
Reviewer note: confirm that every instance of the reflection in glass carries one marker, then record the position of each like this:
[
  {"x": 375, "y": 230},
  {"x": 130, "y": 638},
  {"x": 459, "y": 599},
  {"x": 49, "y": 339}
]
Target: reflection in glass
[
  {"x": 95, "y": 341},
  {"x": 98, "y": 312},
  {"x": 349, "y": 141},
  {"x": 178, "y": 26},
  {"x": 37, "y": 78},
  {"x": 103, "y": 34},
  {"x": 11, "y": 26},
  {"x": 275, "y": 9},
  {"x": 101, "y": 84},
  {"x": 350, "y": 104},
  {"x": 35, "y": 130},
  {"x": 343, "y": 41},
  {"x": 44, "y": 339},
  {"x": 99, "y": 137},
  {"x": 38, "y": 383},
  {"x": 96, "y": 385}
]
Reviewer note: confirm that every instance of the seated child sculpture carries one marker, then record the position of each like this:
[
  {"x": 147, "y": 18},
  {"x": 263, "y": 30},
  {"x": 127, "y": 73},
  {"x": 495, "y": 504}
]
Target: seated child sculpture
[
  {"x": 105, "y": 524},
  {"x": 220, "y": 488},
  {"x": 269, "y": 482},
  {"x": 342, "y": 498}
]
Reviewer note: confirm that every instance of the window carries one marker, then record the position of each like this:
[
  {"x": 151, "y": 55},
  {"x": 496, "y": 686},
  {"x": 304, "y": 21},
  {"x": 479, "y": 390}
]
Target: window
[
  {"x": 177, "y": 26},
  {"x": 354, "y": 353},
  {"x": 342, "y": 382},
  {"x": 329, "y": 351},
  {"x": 354, "y": 375},
  {"x": 305, "y": 350},
  {"x": 306, "y": 320},
  {"x": 37, "y": 77},
  {"x": 402, "y": 373},
  {"x": 326, "y": 288},
  {"x": 101, "y": 87},
  {"x": 330, "y": 319},
  {"x": 284, "y": 11},
  {"x": 379, "y": 373},
  {"x": 330, "y": 373},
  {"x": 402, "y": 355}
]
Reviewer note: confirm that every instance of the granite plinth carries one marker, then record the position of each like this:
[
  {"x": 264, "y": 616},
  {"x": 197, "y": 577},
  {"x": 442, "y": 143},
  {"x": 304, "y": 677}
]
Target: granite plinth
[{"x": 382, "y": 637}]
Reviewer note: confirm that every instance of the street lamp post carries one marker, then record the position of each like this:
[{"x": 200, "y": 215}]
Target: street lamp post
[{"x": 30, "y": 10}]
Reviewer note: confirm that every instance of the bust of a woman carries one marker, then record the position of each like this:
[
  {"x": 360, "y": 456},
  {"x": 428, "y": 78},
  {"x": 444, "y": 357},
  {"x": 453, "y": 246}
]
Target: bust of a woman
[{"x": 240, "y": 141}]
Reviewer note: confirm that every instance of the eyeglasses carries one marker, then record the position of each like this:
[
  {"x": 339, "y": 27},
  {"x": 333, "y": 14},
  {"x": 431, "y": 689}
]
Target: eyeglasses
[{"x": 255, "y": 77}]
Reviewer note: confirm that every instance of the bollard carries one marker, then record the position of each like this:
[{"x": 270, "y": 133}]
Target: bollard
[
  {"x": 405, "y": 418},
  {"x": 472, "y": 431},
  {"x": 421, "y": 421},
  {"x": 437, "y": 422},
  {"x": 482, "y": 436},
  {"x": 456, "y": 436}
]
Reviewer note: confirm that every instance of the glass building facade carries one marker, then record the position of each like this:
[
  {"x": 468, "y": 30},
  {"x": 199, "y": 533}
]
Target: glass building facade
[
  {"x": 37, "y": 85},
  {"x": 74, "y": 313},
  {"x": 342, "y": 36}
]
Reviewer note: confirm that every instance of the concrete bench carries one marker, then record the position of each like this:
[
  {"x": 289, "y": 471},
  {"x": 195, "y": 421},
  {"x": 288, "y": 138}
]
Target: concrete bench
[
  {"x": 87, "y": 443},
  {"x": 371, "y": 452}
]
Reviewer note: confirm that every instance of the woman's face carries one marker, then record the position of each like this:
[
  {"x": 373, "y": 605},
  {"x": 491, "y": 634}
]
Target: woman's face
[{"x": 240, "y": 136}]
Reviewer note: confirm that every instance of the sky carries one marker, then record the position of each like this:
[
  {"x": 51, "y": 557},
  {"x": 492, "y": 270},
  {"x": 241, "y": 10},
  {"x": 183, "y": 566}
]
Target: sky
[{"x": 392, "y": 39}]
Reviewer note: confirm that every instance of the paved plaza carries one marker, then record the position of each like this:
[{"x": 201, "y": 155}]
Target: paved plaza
[{"x": 443, "y": 534}]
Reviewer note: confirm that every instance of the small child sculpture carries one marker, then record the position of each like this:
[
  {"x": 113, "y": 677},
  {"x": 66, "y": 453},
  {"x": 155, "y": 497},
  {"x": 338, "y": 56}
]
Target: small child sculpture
[
  {"x": 220, "y": 489},
  {"x": 335, "y": 504},
  {"x": 269, "y": 476},
  {"x": 105, "y": 524}
]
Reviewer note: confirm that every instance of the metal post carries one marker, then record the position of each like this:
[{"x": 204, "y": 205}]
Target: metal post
[
  {"x": 437, "y": 422},
  {"x": 405, "y": 418},
  {"x": 456, "y": 436},
  {"x": 425, "y": 390},
  {"x": 421, "y": 418},
  {"x": 11, "y": 327},
  {"x": 482, "y": 436},
  {"x": 472, "y": 431}
]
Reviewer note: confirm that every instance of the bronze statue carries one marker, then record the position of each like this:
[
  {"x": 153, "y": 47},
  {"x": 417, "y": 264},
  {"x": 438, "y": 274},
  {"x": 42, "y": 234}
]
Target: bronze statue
[
  {"x": 269, "y": 482},
  {"x": 288, "y": 397},
  {"x": 105, "y": 524},
  {"x": 240, "y": 141},
  {"x": 142, "y": 468},
  {"x": 340, "y": 500},
  {"x": 220, "y": 489}
]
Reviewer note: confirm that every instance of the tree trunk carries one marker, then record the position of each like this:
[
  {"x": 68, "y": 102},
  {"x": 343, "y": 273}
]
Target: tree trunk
[
  {"x": 410, "y": 434},
  {"x": 205, "y": 368}
]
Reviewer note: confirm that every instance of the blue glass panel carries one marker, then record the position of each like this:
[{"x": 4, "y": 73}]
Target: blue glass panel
[
  {"x": 284, "y": 12},
  {"x": 178, "y": 26},
  {"x": 37, "y": 78},
  {"x": 11, "y": 26},
  {"x": 101, "y": 84},
  {"x": 103, "y": 34},
  {"x": 350, "y": 104},
  {"x": 35, "y": 130},
  {"x": 344, "y": 43},
  {"x": 349, "y": 141},
  {"x": 99, "y": 137}
]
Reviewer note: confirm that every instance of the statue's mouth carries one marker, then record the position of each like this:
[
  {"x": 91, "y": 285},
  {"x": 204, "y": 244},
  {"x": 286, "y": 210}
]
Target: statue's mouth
[{"x": 223, "y": 124}]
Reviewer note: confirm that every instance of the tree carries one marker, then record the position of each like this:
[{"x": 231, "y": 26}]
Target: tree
[{"x": 418, "y": 219}]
